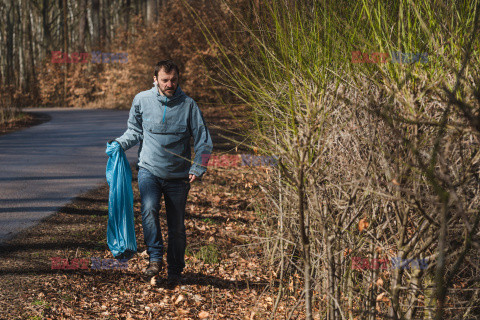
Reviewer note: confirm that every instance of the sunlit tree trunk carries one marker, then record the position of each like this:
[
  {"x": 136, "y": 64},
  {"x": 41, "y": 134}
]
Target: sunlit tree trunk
[{"x": 151, "y": 11}]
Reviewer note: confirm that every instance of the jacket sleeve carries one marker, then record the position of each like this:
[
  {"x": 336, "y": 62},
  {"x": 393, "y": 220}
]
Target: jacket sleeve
[
  {"x": 202, "y": 141},
  {"x": 134, "y": 132}
]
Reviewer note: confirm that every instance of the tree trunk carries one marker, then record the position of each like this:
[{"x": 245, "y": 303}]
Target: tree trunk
[
  {"x": 82, "y": 21},
  {"x": 441, "y": 287},
  {"x": 95, "y": 23},
  {"x": 21, "y": 54},
  {"x": 151, "y": 11},
  {"x": 103, "y": 18},
  {"x": 32, "y": 83},
  {"x": 9, "y": 60},
  {"x": 47, "y": 35},
  {"x": 305, "y": 244},
  {"x": 127, "y": 15},
  {"x": 65, "y": 50},
  {"x": 144, "y": 10}
]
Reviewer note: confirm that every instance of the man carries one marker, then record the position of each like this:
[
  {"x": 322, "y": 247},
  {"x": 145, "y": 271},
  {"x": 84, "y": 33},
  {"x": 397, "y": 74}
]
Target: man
[{"x": 164, "y": 119}]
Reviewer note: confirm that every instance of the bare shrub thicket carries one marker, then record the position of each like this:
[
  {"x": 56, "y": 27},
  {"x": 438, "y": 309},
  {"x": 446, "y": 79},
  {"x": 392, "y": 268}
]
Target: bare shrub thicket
[{"x": 376, "y": 160}]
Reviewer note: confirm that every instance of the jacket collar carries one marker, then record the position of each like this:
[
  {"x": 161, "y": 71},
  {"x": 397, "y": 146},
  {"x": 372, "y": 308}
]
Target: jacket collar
[{"x": 166, "y": 100}]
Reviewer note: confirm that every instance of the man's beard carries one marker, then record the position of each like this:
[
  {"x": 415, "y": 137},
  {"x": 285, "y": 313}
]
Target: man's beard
[{"x": 167, "y": 93}]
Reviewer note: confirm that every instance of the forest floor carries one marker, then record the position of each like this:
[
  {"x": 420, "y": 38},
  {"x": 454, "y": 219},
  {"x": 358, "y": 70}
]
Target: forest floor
[
  {"x": 225, "y": 276},
  {"x": 21, "y": 121}
]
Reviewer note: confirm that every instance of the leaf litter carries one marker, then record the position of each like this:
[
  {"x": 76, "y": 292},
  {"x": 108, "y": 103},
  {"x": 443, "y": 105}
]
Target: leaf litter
[{"x": 224, "y": 277}]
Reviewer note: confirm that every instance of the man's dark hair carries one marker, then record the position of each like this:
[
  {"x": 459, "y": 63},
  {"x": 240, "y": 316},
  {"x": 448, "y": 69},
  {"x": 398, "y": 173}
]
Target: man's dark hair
[{"x": 167, "y": 66}]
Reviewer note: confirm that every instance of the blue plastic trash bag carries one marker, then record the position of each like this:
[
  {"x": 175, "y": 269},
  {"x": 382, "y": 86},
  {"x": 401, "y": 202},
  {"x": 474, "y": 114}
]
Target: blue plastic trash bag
[{"x": 120, "y": 230}]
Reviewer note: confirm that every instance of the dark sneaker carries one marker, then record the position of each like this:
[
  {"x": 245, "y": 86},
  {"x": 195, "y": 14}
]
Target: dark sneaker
[{"x": 154, "y": 268}]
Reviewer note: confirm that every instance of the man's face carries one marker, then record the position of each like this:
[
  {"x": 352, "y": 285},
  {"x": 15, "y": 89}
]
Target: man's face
[{"x": 167, "y": 82}]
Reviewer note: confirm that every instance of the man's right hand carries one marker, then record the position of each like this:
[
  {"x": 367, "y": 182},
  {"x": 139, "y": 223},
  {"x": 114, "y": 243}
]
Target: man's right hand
[{"x": 110, "y": 141}]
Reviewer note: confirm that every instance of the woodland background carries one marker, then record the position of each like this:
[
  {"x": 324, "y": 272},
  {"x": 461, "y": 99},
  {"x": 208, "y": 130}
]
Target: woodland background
[{"x": 146, "y": 30}]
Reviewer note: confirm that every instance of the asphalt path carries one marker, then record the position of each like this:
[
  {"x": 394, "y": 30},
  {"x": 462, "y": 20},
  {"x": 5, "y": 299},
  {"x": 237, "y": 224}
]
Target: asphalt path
[{"x": 43, "y": 167}]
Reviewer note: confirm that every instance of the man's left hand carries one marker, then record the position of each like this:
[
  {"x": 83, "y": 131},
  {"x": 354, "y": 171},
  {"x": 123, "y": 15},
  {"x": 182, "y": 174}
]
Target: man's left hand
[{"x": 192, "y": 177}]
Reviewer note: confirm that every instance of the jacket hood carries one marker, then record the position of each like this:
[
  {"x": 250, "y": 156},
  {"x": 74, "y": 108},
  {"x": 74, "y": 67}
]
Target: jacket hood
[{"x": 164, "y": 99}]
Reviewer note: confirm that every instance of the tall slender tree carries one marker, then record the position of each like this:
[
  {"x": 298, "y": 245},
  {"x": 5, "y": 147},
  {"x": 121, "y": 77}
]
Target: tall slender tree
[
  {"x": 95, "y": 21},
  {"x": 9, "y": 39},
  {"x": 65, "y": 50},
  {"x": 151, "y": 11},
  {"x": 82, "y": 22}
]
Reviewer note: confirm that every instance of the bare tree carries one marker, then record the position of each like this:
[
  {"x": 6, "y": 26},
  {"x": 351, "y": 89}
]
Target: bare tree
[{"x": 151, "y": 11}]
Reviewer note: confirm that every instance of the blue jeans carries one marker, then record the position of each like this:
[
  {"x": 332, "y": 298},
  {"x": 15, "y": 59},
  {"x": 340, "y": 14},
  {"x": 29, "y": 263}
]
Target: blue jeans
[{"x": 175, "y": 193}]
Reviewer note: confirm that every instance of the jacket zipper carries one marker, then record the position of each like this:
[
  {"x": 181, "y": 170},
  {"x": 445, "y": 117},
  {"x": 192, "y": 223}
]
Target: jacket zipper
[{"x": 164, "y": 111}]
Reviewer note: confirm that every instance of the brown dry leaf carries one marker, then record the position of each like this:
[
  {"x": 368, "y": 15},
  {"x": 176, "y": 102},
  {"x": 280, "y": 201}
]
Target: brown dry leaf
[
  {"x": 395, "y": 182},
  {"x": 382, "y": 297},
  {"x": 362, "y": 224},
  {"x": 182, "y": 311},
  {"x": 153, "y": 281},
  {"x": 203, "y": 315},
  {"x": 179, "y": 299},
  {"x": 380, "y": 282}
]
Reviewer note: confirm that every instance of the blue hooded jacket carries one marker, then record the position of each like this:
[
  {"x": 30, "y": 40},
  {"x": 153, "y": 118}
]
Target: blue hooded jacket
[{"x": 165, "y": 126}]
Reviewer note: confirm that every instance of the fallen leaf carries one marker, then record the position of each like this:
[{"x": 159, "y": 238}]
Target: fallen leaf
[
  {"x": 381, "y": 297},
  {"x": 182, "y": 311},
  {"x": 153, "y": 281},
  {"x": 380, "y": 282},
  {"x": 362, "y": 224},
  {"x": 203, "y": 315},
  {"x": 179, "y": 299}
]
